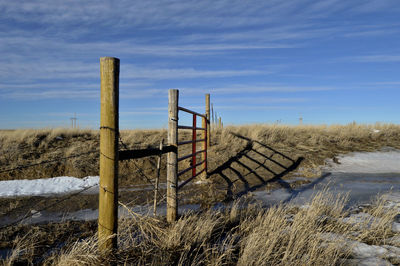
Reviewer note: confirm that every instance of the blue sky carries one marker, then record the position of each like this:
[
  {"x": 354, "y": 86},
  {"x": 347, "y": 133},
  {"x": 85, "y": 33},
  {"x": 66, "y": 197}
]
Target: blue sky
[{"x": 262, "y": 61}]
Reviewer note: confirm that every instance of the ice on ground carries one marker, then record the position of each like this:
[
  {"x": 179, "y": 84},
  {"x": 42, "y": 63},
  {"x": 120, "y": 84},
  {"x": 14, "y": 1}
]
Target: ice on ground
[
  {"x": 396, "y": 227},
  {"x": 366, "y": 162},
  {"x": 362, "y": 253},
  {"x": 46, "y": 186},
  {"x": 395, "y": 240},
  {"x": 361, "y": 218},
  {"x": 362, "y": 250},
  {"x": 394, "y": 250},
  {"x": 368, "y": 262}
]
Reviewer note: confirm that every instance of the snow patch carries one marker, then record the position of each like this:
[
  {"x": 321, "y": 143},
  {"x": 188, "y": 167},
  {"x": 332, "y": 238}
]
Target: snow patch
[{"x": 46, "y": 186}]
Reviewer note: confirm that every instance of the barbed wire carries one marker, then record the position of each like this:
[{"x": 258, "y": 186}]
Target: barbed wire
[
  {"x": 23, "y": 147},
  {"x": 46, "y": 162},
  {"x": 46, "y": 207},
  {"x": 139, "y": 170}
]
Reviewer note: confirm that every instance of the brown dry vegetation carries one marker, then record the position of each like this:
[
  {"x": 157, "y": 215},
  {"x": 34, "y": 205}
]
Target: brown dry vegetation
[
  {"x": 239, "y": 158},
  {"x": 242, "y": 155},
  {"x": 314, "y": 143},
  {"x": 280, "y": 235}
]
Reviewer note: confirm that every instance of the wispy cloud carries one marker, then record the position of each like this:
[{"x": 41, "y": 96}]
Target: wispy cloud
[
  {"x": 239, "y": 89},
  {"x": 384, "y": 83},
  {"x": 29, "y": 71},
  {"x": 52, "y": 94},
  {"x": 242, "y": 52},
  {"x": 382, "y": 58},
  {"x": 262, "y": 99},
  {"x": 184, "y": 73}
]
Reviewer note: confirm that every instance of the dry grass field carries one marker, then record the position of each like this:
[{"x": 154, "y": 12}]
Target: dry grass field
[
  {"x": 240, "y": 159},
  {"x": 281, "y": 235},
  {"x": 314, "y": 143}
]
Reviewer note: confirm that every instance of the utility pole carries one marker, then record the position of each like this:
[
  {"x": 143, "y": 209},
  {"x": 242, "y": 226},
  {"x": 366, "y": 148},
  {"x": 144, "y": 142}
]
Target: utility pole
[{"x": 73, "y": 121}]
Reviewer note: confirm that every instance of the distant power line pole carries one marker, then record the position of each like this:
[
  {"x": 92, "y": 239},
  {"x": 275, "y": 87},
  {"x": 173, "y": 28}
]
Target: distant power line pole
[
  {"x": 73, "y": 121},
  {"x": 300, "y": 120}
]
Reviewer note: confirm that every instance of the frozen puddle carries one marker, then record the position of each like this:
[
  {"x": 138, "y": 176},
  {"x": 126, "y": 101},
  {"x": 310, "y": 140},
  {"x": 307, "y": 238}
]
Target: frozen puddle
[
  {"x": 385, "y": 161},
  {"x": 92, "y": 214},
  {"x": 363, "y": 175}
]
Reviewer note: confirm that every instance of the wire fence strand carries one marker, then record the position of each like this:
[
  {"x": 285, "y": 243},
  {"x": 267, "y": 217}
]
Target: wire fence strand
[
  {"x": 47, "y": 207},
  {"x": 30, "y": 215},
  {"x": 46, "y": 162}
]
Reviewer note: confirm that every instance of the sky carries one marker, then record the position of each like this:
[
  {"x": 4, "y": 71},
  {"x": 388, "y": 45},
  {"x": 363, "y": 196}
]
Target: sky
[{"x": 329, "y": 62}]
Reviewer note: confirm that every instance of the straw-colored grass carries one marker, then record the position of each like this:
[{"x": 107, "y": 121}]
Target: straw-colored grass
[
  {"x": 314, "y": 143},
  {"x": 281, "y": 235}
]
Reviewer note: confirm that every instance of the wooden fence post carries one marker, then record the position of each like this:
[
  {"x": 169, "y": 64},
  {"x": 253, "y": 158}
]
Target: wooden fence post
[
  {"x": 157, "y": 178},
  {"x": 204, "y": 146},
  {"x": 172, "y": 165},
  {"x": 208, "y": 119},
  {"x": 109, "y": 130},
  {"x": 212, "y": 115}
]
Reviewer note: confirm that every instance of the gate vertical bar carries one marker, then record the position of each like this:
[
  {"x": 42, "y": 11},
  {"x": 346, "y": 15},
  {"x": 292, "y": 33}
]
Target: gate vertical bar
[
  {"x": 208, "y": 119},
  {"x": 109, "y": 128},
  {"x": 172, "y": 165},
  {"x": 194, "y": 135}
]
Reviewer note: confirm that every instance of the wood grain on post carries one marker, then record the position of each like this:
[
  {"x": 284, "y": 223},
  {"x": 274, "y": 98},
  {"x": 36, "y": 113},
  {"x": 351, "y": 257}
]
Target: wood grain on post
[
  {"x": 108, "y": 194},
  {"x": 208, "y": 119},
  {"x": 172, "y": 165}
]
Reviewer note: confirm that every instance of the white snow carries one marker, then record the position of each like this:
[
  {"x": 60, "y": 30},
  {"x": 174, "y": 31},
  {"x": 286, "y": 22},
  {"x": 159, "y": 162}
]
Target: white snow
[
  {"x": 367, "y": 162},
  {"x": 46, "y": 186}
]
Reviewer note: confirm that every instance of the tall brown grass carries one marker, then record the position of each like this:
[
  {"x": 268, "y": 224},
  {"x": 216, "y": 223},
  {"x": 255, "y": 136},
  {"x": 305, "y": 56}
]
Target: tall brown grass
[{"x": 240, "y": 235}]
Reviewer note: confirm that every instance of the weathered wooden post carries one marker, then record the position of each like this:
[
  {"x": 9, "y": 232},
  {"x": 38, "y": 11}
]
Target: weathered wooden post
[
  {"x": 157, "y": 178},
  {"x": 109, "y": 130},
  {"x": 212, "y": 115},
  {"x": 208, "y": 119},
  {"x": 204, "y": 146},
  {"x": 172, "y": 165},
  {"x": 220, "y": 123}
]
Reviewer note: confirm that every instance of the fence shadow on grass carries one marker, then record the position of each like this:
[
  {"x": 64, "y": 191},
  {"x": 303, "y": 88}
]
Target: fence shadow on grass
[{"x": 247, "y": 162}]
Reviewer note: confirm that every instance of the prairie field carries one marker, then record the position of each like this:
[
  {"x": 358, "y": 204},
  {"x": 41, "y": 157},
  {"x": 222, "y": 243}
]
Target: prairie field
[{"x": 241, "y": 159}]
